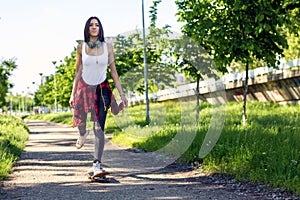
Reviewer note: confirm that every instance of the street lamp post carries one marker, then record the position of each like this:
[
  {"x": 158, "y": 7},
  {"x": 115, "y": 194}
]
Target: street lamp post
[
  {"x": 19, "y": 104},
  {"x": 26, "y": 100},
  {"x": 55, "y": 99},
  {"x": 33, "y": 106},
  {"x": 10, "y": 101},
  {"x": 23, "y": 102},
  {"x": 41, "y": 74},
  {"x": 145, "y": 67}
]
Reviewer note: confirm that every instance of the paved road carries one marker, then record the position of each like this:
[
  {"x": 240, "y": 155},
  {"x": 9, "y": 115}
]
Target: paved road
[{"x": 52, "y": 168}]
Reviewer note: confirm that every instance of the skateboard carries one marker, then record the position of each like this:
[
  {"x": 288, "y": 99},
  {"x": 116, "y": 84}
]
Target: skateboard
[{"x": 101, "y": 177}]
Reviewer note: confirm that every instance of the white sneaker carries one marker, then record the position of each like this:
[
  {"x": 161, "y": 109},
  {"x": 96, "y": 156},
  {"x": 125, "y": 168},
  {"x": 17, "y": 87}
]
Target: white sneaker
[
  {"x": 81, "y": 140},
  {"x": 97, "y": 169}
]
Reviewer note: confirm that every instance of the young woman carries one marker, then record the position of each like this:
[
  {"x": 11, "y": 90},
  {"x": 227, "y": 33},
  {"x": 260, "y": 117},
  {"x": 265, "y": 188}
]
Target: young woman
[{"x": 91, "y": 91}]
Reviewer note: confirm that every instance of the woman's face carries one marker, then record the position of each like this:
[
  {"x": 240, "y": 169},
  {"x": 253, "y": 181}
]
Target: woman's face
[{"x": 94, "y": 28}]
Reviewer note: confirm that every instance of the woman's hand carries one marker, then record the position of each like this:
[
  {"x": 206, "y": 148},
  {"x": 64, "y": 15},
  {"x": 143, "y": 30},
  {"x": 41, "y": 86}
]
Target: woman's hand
[
  {"x": 71, "y": 101},
  {"x": 124, "y": 100}
]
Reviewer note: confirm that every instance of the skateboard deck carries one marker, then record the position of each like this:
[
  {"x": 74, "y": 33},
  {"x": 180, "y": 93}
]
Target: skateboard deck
[{"x": 101, "y": 177}]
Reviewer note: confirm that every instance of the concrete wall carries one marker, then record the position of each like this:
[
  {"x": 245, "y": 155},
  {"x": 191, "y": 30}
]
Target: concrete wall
[
  {"x": 265, "y": 84},
  {"x": 281, "y": 87}
]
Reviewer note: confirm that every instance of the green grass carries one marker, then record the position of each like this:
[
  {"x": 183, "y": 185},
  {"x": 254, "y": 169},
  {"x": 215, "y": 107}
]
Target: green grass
[
  {"x": 13, "y": 137},
  {"x": 267, "y": 150},
  {"x": 63, "y": 118}
]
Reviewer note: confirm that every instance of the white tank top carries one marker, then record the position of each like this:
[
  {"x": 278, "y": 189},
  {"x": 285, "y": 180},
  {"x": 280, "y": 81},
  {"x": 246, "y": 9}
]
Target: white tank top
[{"x": 94, "y": 67}]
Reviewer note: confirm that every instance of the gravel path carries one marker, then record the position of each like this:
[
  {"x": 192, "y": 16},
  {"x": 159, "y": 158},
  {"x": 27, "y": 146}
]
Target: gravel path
[{"x": 52, "y": 168}]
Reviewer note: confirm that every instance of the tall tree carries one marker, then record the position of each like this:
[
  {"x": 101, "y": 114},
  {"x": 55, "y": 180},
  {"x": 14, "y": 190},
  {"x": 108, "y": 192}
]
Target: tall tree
[
  {"x": 293, "y": 51},
  {"x": 64, "y": 79},
  {"x": 129, "y": 57},
  {"x": 129, "y": 61},
  {"x": 6, "y": 69},
  {"x": 64, "y": 74},
  {"x": 193, "y": 61},
  {"x": 239, "y": 31}
]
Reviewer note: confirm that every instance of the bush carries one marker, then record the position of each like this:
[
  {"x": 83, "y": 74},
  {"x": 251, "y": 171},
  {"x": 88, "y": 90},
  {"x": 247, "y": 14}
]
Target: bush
[{"x": 13, "y": 136}]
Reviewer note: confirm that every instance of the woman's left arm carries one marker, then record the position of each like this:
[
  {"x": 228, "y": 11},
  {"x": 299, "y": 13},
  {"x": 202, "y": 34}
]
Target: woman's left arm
[{"x": 114, "y": 73}]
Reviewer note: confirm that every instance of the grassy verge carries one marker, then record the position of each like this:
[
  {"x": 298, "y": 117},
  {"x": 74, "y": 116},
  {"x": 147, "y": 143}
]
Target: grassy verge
[
  {"x": 13, "y": 137},
  {"x": 63, "y": 118},
  {"x": 267, "y": 150}
]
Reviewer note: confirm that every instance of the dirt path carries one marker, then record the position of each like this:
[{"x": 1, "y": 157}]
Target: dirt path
[{"x": 52, "y": 168}]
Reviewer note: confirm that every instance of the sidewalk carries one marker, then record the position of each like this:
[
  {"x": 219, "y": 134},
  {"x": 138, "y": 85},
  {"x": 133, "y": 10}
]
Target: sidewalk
[{"x": 52, "y": 168}]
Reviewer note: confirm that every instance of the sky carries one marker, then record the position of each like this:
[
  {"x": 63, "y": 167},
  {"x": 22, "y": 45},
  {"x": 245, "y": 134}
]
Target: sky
[{"x": 38, "y": 32}]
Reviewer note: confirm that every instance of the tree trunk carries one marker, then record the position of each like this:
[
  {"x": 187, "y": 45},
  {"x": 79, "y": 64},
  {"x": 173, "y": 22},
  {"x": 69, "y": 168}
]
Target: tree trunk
[
  {"x": 198, "y": 100},
  {"x": 245, "y": 96}
]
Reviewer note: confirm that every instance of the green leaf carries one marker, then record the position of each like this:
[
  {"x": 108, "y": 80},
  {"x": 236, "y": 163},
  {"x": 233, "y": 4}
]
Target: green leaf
[{"x": 259, "y": 18}]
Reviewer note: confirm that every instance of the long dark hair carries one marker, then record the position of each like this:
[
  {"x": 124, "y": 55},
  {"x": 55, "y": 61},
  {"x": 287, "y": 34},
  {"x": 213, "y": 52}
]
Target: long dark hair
[{"x": 86, "y": 30}]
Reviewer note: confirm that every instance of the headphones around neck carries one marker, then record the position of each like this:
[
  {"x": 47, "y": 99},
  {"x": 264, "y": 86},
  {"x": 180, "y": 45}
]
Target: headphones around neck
[{"x": 94, "y": 44}]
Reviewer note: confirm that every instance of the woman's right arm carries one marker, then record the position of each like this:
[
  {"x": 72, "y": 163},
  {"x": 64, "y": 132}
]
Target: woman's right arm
[{"x": 77, "y": 74}]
